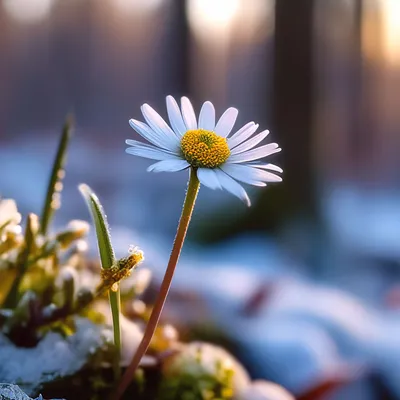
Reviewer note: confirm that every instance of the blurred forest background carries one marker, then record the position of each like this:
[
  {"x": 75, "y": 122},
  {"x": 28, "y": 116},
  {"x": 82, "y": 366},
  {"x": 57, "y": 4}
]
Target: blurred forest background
[{"x": 322, "y": 75}]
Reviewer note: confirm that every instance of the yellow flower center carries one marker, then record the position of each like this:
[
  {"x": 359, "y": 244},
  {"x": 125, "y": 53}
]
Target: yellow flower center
[{"x": 204, "y": 149}]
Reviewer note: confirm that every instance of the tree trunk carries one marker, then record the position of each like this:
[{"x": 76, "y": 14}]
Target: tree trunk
[{"x": 292, "y": 117}]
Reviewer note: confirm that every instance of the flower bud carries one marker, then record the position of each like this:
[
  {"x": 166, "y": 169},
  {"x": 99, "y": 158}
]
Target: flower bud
[
  {"x": 121, "y": 269},
  {"x": 9, "y": 214},
  {"x": 11, "y": 238},
  {"x": 76, "y": 229},
  {"x": 135, "y": 257}
]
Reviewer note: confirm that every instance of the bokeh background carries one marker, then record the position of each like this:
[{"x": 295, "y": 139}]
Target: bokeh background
[{"x": 304, "y": 286}]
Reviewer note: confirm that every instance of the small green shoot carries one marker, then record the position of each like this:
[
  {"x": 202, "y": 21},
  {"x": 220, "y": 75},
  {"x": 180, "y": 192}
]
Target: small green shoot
[
  {"x": 54, "y": 187},
  {"x": 107, "y": 258}
]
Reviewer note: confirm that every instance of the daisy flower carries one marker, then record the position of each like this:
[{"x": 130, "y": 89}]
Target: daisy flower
[
  {"x": 215, "y": 157},
  {"x": 220, "y": 159}
]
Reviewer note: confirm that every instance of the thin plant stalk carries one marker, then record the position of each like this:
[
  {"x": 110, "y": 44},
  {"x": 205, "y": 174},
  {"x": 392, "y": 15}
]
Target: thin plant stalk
[
  {"x": 107, "y": 258},
  {"x": 187, "y": 211},
  {"x": 114, "y": 297},
  {"x": 57, "y": 173}
]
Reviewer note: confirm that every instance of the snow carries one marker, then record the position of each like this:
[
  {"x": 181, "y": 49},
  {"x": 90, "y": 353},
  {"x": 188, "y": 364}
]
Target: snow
[
  {"x": 13, "y": 392},
  {"x": 53, "y": 357},
  {"x": 263, "y": 390}
]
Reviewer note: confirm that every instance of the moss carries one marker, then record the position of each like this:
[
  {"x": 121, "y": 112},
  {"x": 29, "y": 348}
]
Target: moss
[{"x": 203, "y": 387}]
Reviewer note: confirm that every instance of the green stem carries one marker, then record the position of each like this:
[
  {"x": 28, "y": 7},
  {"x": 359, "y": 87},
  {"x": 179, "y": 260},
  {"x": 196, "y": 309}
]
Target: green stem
[
  {"x": 188, "y": 206},
  {"x": 107, "y": 258},
  {"x": 115, "y": 303}
]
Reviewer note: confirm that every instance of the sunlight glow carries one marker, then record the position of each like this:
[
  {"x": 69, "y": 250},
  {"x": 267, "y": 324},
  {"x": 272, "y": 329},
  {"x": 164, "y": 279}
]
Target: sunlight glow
[
  {"x": 210, "y": 17},
  {"x": 137, "y": 6},
  {"x": 391, "y": 30},
  {"x": 28, "y": 11},
  {"x": 217, "y": 21}
]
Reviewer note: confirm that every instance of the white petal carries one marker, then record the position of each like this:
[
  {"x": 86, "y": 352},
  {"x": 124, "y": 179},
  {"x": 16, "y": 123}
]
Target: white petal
[
  {"x": 160, "y": 126},
  {"x": 255, "y": 154},
  {"x": 168, "y": 166},
  {"x": 256, "y": 183},
  {"x": 242, "y": 134},
  {"x": 188, "y": 114},
  {"x": 146, "y": 151},
  {"x": 270, "y": 177},
  {"x": 135, "y": 143},
  {"x": 242, "y": 176},
  {"x": 153, "y": 137},
  {"x": 226, "y": 122},
  {"x": 207, "y": 116},
  {"x": 249, "y": 174},
  {"x": 271, "y": 167},
  {"x": 175, "y": 116},
  {"x": 249, "y": 144},
  {"x": 232, "y": 186},
  {"x": 208, "y": 177}
]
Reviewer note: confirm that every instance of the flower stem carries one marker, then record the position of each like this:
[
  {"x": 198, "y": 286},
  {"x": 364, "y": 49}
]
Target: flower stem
[
  {"x": 188, "y": 206},
  {"x": 107, "y": 258},
  {"x": 115, "y": 303}
]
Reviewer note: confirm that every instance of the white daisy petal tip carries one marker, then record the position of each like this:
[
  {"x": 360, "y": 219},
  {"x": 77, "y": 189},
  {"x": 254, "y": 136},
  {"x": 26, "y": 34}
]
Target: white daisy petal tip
[
  {"x": 246, "y": 199},
  {"x": 188, "y": 114},
  {"x": 276, "y": 179},
  {"x": 271, "y": 167},
  {"x": 207, "y": 116},
  {"x": 132, "y": 123},
  {"x": 226, "y": 122},
  {"x": 175, "y": 116},
  {"x": 242, "y": 134}
]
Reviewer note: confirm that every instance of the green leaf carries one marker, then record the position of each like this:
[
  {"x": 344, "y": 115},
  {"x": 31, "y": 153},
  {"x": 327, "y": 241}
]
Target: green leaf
[
  {"x": 106, "y": 251},
  {"x": 107, "y": 257},
  {"x": 54, "y": 187}
]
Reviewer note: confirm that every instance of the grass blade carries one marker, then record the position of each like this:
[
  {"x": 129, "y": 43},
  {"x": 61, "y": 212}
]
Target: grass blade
[
  {"x": 51, "y": 203},
  {"x": 106, "y": 251},
  {"x": 107, "y": 258}
]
